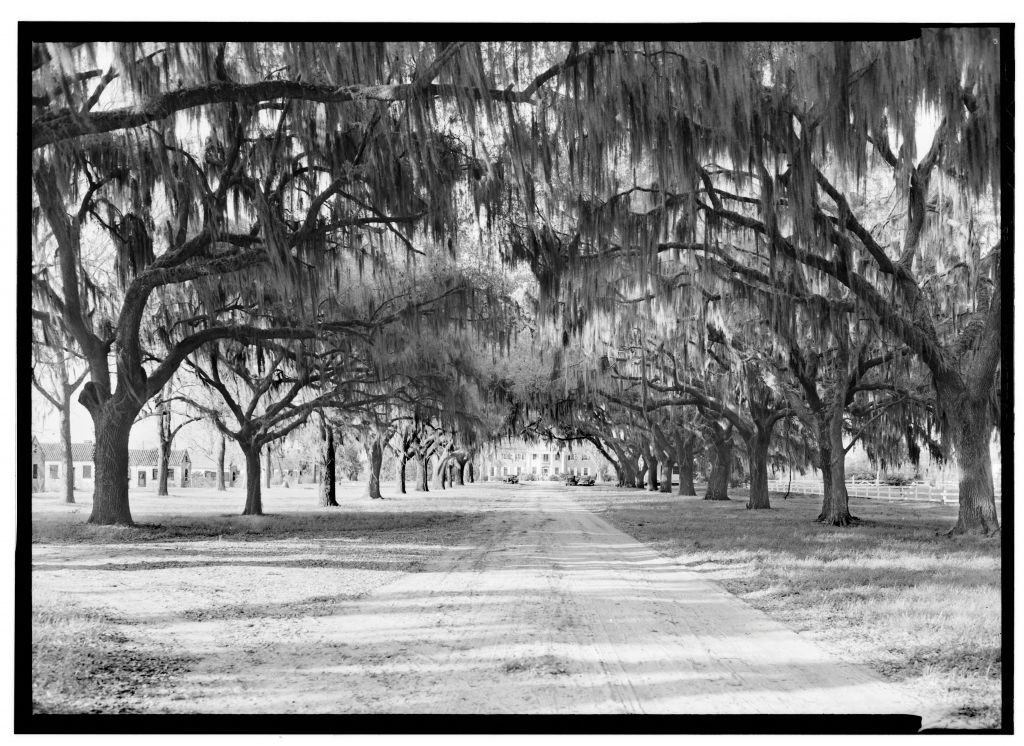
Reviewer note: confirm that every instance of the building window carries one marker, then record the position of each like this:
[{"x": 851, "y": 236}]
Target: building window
[
  {"x": 142, "y": 478},
  {"x": 544, "y": 472},
  {"x": 586, "y": 471},
  {"x": 86, "y": 471},
  {"x": 547, "y": 456},
  {"x": 54, "y": 471},
  {"x": 504, "y": 471},
  {"x": 170, "y": 473},
  {"x": 35, "y": 471},
  {"x": 156, "y": 472},
  {"x": 520, "y": 456},
  {"x": 556, "y": 470}
]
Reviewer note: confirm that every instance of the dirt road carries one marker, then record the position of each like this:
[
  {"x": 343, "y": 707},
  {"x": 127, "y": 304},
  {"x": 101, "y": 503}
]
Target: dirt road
[{"x": 546, "y": 608}]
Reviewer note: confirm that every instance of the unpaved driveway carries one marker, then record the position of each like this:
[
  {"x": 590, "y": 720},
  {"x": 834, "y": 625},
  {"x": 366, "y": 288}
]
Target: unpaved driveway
[{"x": 546, "y": 608}]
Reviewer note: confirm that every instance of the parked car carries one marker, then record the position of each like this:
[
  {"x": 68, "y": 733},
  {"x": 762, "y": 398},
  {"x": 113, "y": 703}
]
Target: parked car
[
  {"x": 511, "y": 479},
  {"x": 570, "y": 480},
  {"x": 586, "y": 481}
]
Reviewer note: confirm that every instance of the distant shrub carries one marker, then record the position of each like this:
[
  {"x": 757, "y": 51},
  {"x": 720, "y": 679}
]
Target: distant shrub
[{"x": 860, "y": 476}]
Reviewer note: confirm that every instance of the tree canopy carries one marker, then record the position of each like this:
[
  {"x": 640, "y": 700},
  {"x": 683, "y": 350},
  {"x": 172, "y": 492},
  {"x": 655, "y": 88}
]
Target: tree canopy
[{"x": 724, "y": 239}]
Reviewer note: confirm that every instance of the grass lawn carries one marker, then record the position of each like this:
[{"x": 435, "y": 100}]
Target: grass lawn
[
  {"x": 92, "y": 650},
  {"x": 893, "y": 593}
]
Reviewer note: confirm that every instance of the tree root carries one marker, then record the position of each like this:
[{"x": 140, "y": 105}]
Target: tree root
[
  {"x": 841, "y": 521},
  {"x": 959, "y": 530}
]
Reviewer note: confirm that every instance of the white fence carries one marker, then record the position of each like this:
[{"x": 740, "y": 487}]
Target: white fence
[{"x": 945, "y": 493}]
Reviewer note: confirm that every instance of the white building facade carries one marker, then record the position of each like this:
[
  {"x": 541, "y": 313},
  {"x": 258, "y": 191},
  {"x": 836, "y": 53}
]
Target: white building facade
[
  {"x": 540, "y": 461},
  {"x": 143, "y": 467}
]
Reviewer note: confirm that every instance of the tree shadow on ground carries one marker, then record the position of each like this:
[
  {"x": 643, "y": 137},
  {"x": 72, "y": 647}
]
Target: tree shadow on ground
[
  {"x": 82, "y": 662},
  {"x": 893, "y": 592},
  {"x": 321, "y": 524}
]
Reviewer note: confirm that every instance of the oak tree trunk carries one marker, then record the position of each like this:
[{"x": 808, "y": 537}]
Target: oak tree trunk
[
  {"x": 65, "y": 442},
  {"x": 652, "y": 473},
  {"x": 666, "y": 478},
  {"x": 402, "y": 461},
  {"x": 165, "y": 456},
  {"x": 757, "y": 454},
  {"x": 685, "y": 458},
  {"x": 110, "y": 461},
  {"x": 441, "y": 475},
  {"x": 423, "y": 474},
  {"x": 640, "y": 474},
  {"x": 971, "y": 432},
  {"x": 221, "y": 449},
  {"x": 253, "y": 493},
  {"x": 825, "y": 464},
  {"x": 721, "y": 465},
  {"x": 375, "y": 451},
  {"x": 327, "y": 492},
  {"x": 835, "y": 510}
]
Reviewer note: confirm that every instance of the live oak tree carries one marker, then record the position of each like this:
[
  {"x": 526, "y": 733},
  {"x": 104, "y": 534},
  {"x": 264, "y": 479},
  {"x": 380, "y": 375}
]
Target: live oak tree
[
  {"x": 280, "y": 188},
  {"x": 161, "y": 407},
  {"x": 270, "y": 390},
  {"x": 753, "y": 154},
  {"x": 327, "y": 487},
  {"x": 592, "y": 160},
  {"x": 294, "y": 130},
  {"x": 211, "y": 442},
  {"x": 56, "y": 376}
]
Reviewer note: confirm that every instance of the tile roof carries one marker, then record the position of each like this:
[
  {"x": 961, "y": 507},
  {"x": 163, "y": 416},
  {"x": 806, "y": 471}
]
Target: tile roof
[
  {"x": 55, "y": 452},
  {"x": 150, "y": 457},
  {"x": 84, "y": 452}
]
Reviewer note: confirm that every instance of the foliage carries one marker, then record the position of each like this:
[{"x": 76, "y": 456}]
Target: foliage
[{"x": 350, "y": 461}]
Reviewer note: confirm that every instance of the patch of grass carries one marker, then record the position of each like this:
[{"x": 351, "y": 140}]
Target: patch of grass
[
  {"x": 83, "y": 662},
  {"x": 370, "y": 526},
  {"x": 894, "y": 593},
  {"x": 545, "y": 664}
]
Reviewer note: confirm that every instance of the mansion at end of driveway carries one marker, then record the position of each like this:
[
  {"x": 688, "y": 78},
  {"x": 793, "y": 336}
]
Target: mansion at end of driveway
[{"x": 542, "y": 461}]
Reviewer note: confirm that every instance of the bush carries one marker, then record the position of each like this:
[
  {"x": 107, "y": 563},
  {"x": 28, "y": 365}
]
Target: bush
[{"x": 860, "y": 476}]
